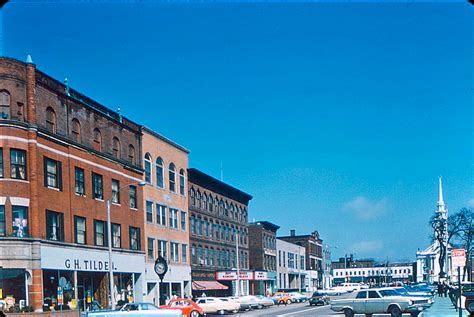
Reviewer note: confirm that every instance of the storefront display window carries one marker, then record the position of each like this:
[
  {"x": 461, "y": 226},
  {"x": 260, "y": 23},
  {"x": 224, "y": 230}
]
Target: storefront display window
[
  {"x": 20, "y": 221},
  {"x": 12, "y": 285}
]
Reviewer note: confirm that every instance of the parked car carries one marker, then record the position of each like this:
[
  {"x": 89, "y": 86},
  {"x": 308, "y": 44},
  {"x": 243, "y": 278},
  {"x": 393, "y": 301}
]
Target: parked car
[
  {"x": 137, "y": 310},
  {"x": 318, "y": 298},
  {"x": 264, "y": 301},
  {"x": 390, "y": 291},
  {"x": 188, "y": 307},
  {"x": 243, "y": 301},
  {"x": 372, "y": 301},
  {"x": 297, "y": 297},
  {"x": 350, "y": 287},
  {"x": 281, "y": 298},
  {"x": 334, "y": 291},
  {"x": 213, "y": 305}
]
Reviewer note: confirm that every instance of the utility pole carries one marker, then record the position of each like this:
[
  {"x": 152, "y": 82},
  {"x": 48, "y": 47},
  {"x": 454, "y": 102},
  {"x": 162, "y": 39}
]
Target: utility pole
[{"x": 299, "y": 269}]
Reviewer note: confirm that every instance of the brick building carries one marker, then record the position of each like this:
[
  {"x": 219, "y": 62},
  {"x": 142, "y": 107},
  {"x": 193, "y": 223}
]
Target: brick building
[
  {"x": 62, "y": 156},
  {"x": 263, "y": 255},
  {"x": 218, "y": 226},
  {"x": 314, "y": 256},
  {"x": 166, "y": 216}
]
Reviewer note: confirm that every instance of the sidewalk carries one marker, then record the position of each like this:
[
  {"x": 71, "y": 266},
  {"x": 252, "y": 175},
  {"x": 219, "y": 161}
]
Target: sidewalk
[{"x": 442, "y": 307}]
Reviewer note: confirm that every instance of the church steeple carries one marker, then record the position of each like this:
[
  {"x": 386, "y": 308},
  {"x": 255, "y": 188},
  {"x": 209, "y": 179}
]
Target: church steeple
[{"x": 441, "y": 206}]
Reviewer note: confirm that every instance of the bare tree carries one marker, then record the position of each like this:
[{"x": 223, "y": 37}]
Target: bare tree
[
  {"x": 466, "y": 236},
  {"x": 438, "y": 223}
]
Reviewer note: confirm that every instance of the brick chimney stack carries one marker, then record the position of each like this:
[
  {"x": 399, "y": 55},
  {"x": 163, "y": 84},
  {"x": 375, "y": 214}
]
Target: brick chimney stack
[{"x": 30, "y": 90}]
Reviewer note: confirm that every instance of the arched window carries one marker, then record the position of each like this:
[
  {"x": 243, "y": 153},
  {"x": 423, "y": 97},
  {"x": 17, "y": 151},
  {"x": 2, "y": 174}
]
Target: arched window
[
  {"x": 50, "y": 120},
  {"x": 216, "y": 205},
  {"x": 204, "y": 201},
  {"x": 76, "y": 130},
  {"x": 210, "y": 202},
  {"x": 148, "y": 168},
  {"x": 159, "y": 173},
  {"x": 97, "y": 140},
  {"x": 192, "y": 196},
  {"x": 131, "y": 154},
  {"x": 198, "y": 199},
  {"x": 172, "y": 176},
  {"x": 116, "y": 147},
  {"x": 221, "y": 207},
  {"x": 181, "y": 182},
  {"x": 4, "y": 104}
]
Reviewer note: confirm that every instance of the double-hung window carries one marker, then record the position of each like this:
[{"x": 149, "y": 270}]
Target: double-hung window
[
  {"x": 173, "y": 218},
  {"x": 162, "y": 249},
  {"x": 183, "y": 220},
  {"x": 133, "y": 196},
  {"x": 116, "y": 235},
  {"x": 2, "y": 221},
  {"x": 97, "y": 186},
  {"x": 134, "y": 238},
  {"x": 52, "y": 173},
  {"x": 184, "y": 253},
  {"x": 149, "y": 211},
  {"x": 150, "y": 248},
  {"x": 115, "y": 191},
  {"x": 20, "y": 221},
  {"x": 174, "y": 251},
  {"x": 79, "y": 187},
  {"x": 18, "y": 164},
  {"x": 54, "y": 226},
  {"x": 100, "y": 236},
  {"x": 161, "y": 214},
  {"x": 80, "y": 230}
]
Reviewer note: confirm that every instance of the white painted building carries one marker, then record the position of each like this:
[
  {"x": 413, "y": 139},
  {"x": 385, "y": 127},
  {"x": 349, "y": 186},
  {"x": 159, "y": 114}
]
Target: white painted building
[
  {"x": 374, "y": 275},
  {"x": 291, "y": 270}
]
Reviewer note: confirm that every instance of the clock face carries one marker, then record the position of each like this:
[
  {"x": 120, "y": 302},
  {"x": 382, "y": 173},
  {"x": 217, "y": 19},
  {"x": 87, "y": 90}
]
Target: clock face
[{"x": 160, "y": 266}]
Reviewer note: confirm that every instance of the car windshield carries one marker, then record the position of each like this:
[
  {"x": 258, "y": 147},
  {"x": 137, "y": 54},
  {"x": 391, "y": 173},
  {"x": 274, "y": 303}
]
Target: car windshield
[{"x": 389, "y": 292}]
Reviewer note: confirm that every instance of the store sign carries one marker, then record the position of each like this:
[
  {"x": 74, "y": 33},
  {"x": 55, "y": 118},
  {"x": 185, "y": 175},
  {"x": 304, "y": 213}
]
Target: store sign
[
  {"x": 245, "y": 275},
  {"x": 259, "y": 275},
  {"x": 79, "y": 259},
  {"x": 458, "y": 257},
  {"x": 226, "y": 275}
]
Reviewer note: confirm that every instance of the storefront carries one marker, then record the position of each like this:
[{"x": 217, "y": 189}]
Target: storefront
[
  {"x": 13, "y": 285},
  {"x": 176, "y": 282},
  {"x": 80, "y": 277}
]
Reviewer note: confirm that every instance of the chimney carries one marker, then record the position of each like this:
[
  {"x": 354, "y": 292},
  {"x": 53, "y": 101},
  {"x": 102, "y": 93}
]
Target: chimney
[
  {"x": 30, "y": 90},
  {"x": 292, "y": 232}
]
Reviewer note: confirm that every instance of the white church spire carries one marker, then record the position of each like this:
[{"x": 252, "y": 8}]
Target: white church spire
[{"x": 441, "y": 206}]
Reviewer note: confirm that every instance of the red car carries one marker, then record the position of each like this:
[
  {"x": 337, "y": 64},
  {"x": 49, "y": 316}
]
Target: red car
[{"x": 187, "y": 306}]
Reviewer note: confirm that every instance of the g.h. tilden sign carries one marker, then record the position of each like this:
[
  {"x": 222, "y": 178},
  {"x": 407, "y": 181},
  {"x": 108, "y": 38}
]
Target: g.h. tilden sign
[{"x": 76, "y": 259}]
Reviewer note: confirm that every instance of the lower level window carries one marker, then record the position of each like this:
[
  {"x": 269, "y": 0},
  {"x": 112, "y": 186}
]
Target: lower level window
[
  {"x": 99, "y": 233},
  {"x": 20, "y": 221},
  {"x": 116, "y": 236},
  {"x": 54, "y": 226},
  {"x": 2, "y": 221},
  {"x": 134, "y": 238}
]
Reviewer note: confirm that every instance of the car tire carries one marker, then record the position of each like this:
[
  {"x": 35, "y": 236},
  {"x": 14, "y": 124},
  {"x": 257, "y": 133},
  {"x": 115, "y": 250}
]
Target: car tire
[
  {"x": 259, "y": 306},
  {"x": 288, "y": 302},
  {"x": 395, "y": 311},
  {"x": 194, "y": 313},
  {"x": 221, "y": 312},
  {"x": 348, "y": 312}
]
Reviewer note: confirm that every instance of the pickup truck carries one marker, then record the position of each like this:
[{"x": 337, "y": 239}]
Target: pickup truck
[{"x": 378, "y": 301}]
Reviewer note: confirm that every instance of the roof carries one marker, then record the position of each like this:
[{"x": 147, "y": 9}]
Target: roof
[
  {"x": 165, "y": 139},
  {"x": 266, "y": 225},
  {"x": 202, "y": 179}
]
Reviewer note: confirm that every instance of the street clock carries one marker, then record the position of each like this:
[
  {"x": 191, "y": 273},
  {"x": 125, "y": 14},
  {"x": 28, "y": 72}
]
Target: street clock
[{"x": 161, "y": 267}]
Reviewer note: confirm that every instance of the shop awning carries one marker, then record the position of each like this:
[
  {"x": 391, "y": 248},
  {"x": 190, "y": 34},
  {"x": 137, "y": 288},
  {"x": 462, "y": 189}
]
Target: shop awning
[{"x": 207, "y": 285}]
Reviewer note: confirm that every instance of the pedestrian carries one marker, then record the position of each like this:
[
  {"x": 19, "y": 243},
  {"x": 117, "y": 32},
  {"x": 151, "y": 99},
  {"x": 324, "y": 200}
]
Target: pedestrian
[
  {"x": 440, "y": 289},
  {"x": 445, "y": 289}
]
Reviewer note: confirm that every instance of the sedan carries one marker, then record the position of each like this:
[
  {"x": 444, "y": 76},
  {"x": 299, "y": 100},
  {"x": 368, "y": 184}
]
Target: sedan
[{"x": 188, "y": 307}]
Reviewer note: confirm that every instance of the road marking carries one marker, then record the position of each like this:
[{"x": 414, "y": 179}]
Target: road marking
[{"x": 301, "y": 311}]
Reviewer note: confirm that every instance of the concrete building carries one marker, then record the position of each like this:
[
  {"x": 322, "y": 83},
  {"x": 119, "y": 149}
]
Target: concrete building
[
  {"x": 219, "y": 236},
  {"x": 291, "y": 266},
  {"x": 263, "y": 255},
  {"x": 166, "y": 216},
  {"x": 314, "y": 256},
  {"x": 62, "y": 157},
  {"x": 327, "y": 267}
]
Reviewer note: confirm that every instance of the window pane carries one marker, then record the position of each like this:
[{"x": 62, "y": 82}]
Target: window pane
[
  {"x": 1, "y": 162},
  {"x": 115, "y": 191},
  {"x": 79, "y": 181},
  {"x": 80, "y": 230},
  {"x": 116, "y": 236},
  {"x": 150, "y": 250},
  {"x": 17, "y": 164},
  {"x": 54, "y": 226},
  {"x": 97, "y": 187},
  {"x": 133, "y": 197},
  {"x": 2, "y": 221},
  {"x": 149, "y": 211},
  {"x": 20, "y": 221}
]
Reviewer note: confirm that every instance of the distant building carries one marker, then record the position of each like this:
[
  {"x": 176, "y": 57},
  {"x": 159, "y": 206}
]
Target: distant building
[
  {"x": 263, "y": 255},
  {"x": 373, "y": 273},
  {"x": 291, "y": 268},
  {"x": 314, "y": 256},
  {"x": 218, "y": 220},
  {"x": 327, "y": 267}
]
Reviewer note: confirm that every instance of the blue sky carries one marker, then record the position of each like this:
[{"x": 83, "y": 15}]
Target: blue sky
[{"x": 335, "y": 117}]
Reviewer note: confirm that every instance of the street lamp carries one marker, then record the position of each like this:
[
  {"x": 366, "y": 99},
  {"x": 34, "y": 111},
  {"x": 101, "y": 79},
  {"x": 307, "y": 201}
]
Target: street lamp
[{"x": 109, "y": 238}]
